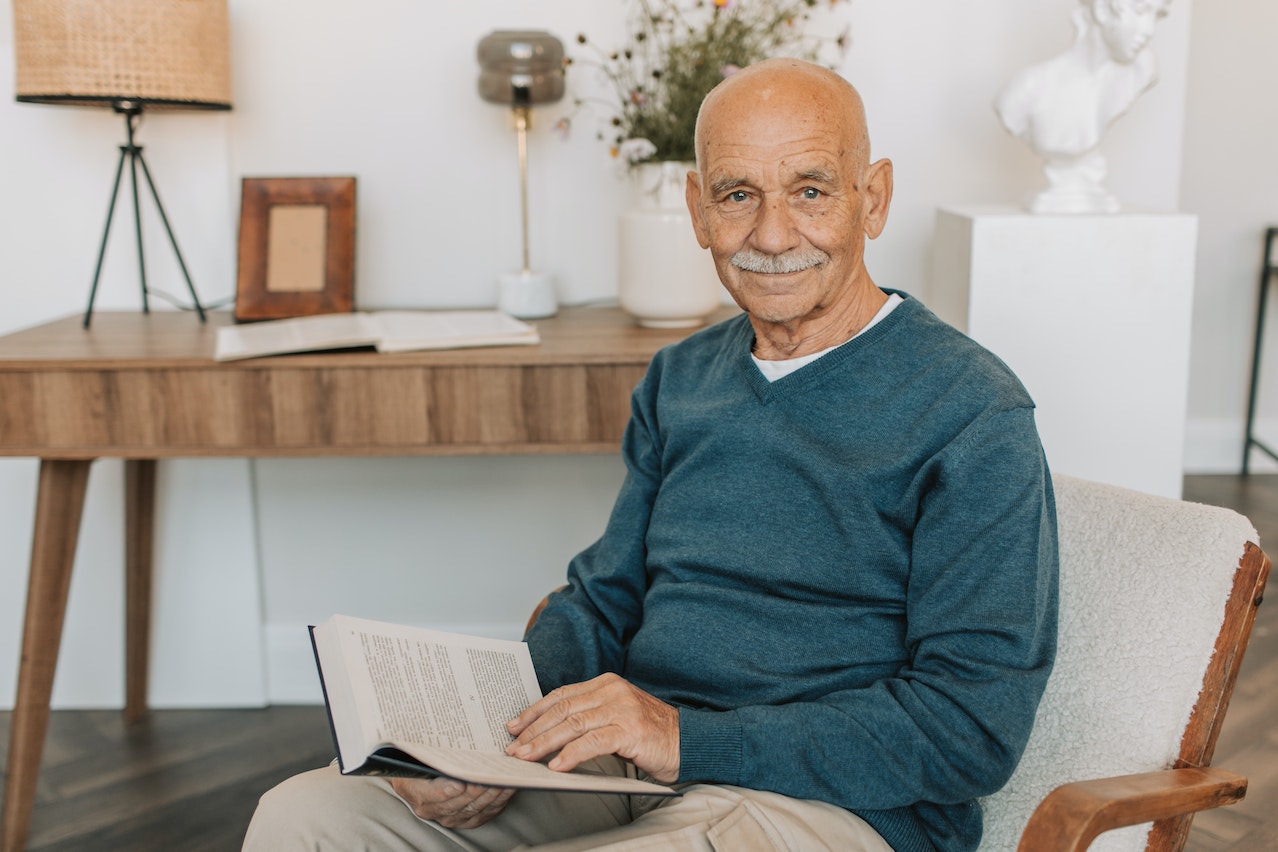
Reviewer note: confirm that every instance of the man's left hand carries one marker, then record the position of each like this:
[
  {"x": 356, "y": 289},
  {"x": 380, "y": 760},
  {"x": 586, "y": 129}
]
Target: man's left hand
[{"x": 606, "y": 715}]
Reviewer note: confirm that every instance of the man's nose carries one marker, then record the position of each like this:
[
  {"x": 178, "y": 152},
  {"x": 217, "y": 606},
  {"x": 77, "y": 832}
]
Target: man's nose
[{"x": 774, "y": 232}]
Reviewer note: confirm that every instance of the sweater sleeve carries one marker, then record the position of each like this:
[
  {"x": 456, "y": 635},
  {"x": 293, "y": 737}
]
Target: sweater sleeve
[
  {"x": 950, "y": 725},
  {"x": 585, "y": 627}
]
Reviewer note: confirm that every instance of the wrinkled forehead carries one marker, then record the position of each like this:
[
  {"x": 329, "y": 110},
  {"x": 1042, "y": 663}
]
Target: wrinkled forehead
[
  {"x": 802, "y": 158},
  {"x": 783, "y": 120}
]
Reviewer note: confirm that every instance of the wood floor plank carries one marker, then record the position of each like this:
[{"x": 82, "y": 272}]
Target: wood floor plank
[{"x": 179, "y": 780}]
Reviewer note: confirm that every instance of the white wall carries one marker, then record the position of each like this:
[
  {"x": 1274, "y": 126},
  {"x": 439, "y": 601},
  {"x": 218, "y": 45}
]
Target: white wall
[
  {"x": 1230, "y": 179},
  {"x": 385, "y": 90}
]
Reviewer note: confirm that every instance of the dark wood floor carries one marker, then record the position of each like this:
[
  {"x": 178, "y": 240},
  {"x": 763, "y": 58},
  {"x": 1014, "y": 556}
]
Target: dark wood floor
[{"x": 189, "y": 780}]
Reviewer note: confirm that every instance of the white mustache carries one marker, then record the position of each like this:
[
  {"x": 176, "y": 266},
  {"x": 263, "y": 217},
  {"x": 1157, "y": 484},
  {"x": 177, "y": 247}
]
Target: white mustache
[{"x": 778, "y": 264}]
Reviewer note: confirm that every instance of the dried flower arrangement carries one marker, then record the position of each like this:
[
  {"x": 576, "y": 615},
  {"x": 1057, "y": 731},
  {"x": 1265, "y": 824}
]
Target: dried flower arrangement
[{"x": 678, "y": 50}]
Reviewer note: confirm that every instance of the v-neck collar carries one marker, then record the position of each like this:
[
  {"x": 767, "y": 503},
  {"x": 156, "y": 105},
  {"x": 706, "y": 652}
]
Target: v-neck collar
[{"x": 767, "y": 391}]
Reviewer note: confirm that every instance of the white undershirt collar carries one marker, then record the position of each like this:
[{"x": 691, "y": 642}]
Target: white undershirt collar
[{"x": 773, "y": 370}]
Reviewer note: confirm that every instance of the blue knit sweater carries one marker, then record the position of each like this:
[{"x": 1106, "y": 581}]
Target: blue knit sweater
[{"x": 844, "y": 579}]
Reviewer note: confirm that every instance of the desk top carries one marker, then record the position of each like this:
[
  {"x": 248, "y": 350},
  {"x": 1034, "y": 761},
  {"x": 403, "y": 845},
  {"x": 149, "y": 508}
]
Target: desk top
[
  {"x": 167, "y": 339},
  {"x": 146, "y": 386}
]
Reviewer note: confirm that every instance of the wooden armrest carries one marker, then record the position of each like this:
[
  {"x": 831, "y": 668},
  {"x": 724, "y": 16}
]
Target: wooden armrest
[
  {"x": 536, "y": 613},
  {"x": 1072, "y": 815}
]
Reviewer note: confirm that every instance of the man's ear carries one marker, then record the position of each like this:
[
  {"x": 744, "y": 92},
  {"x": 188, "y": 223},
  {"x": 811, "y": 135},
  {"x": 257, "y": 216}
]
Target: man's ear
[
  {"x": 877, "y": 196},
  {"x": 692, "y": 194}
]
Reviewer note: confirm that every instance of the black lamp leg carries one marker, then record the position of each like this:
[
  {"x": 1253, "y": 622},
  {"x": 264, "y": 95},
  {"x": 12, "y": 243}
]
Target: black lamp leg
[
  {"x": 137, "y": 217},
  {"x": 106, "y": 232},
  {"x": 134, "y": 154},
  {"x": 146, "y": 172}
]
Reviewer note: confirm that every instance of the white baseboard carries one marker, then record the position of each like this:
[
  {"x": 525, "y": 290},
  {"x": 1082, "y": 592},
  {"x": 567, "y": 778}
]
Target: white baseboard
[{"x": 290, "y": 663}]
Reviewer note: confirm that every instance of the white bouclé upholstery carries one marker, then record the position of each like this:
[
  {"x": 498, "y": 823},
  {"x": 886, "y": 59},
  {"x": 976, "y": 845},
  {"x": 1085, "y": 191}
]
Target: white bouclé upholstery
[{"x": 1144, "y": 581}]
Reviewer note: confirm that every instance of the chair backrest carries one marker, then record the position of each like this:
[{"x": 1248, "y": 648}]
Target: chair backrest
[{"x": 1146, "y": 661}]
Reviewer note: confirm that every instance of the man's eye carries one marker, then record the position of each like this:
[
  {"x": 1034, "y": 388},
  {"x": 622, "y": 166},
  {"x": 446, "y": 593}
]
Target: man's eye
[
  {"x": 738, "y": 196},
  {"x": 811, "y": 193}
]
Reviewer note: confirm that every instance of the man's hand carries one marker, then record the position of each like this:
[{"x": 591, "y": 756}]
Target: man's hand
[
  {"x": 450, "y": 803},
  {"x": 602, "y": 716}
]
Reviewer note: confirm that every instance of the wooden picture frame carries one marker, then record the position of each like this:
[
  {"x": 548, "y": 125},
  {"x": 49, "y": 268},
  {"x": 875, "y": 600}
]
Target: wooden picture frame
[{"x": 297, "y": 247}]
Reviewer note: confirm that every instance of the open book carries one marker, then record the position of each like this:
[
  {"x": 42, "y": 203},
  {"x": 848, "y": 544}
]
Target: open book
[
  {"x": 411, "y": 701},
  {"x": 388, "y": 331}
]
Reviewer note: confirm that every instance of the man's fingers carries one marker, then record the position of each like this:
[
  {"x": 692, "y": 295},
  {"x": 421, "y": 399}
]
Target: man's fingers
[
  {"x": 562, "y": 704},
  {"x": 452, "y": 804},
  {"x": 605, "y": 740},
  {"x": 580, "y": 727},
  {"x": 488, "y": 797},
  {"x": 427, "y": 790},
  {"x": 553, "y": 707},
  {"x": 490, "y": 802},
  {"x": 566, "y": 718},
  {"x": 605, "y": 715}
]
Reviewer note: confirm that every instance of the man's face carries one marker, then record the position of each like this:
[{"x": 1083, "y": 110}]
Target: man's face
[
  {"x": 1128, "y": 25},
  {"x": 783, "y": 205}
]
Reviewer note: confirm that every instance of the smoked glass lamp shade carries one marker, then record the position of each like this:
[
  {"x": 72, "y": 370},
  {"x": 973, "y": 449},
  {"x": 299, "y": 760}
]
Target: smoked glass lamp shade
[
  {"x": 152, "y": 53},
  {"x": 521, "y": 67}
]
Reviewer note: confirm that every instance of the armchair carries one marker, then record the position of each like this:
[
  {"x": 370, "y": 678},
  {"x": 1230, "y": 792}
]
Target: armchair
[{"x": 1158, "y": 598}]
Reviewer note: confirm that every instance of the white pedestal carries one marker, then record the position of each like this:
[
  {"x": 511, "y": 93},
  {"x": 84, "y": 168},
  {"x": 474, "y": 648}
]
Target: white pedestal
[{"x": 1093, "y": 314}]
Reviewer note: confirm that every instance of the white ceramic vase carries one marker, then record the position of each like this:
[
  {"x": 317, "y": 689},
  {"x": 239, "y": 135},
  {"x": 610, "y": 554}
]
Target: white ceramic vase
[{"x": 666, "y": 280}]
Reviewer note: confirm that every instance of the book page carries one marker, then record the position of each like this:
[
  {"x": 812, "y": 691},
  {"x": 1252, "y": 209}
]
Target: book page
[
  {"x": 440, "y": 698},
  {"x": 435, "y": 688},
  {"x": 301, "y": 334},
  {"x": 407, "y": 330},
  {"x": 500, "y": 770}
]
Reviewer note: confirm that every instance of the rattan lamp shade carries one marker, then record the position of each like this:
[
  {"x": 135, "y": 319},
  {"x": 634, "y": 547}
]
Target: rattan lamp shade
[{"x": 157, "y": 53}]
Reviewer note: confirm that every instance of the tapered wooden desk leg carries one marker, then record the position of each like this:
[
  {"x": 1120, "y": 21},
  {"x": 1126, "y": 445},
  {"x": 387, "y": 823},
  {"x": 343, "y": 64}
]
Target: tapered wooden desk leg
[
  {"x": 139, "y": 522},
  {"x": 59, "y": 504}
]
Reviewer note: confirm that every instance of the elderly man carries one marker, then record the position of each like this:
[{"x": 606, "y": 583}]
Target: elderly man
[{"x": 824, "y": 606}]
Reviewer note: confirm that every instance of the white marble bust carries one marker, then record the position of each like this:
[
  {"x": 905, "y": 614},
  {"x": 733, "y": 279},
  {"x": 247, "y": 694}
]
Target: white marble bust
[{"x": 1061, "y": 108}]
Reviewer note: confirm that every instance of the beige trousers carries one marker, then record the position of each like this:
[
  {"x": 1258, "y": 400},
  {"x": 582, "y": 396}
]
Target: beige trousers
[{"x": 323, "y": 810}]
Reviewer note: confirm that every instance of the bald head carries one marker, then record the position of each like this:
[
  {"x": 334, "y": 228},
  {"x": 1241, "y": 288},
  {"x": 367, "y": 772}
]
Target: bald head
[
  {"x": 784, "y": 85},
  {"x": 785, "y": 197}
]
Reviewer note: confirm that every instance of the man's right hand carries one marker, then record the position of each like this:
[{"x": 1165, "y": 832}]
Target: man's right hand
[{"x": 452, "y": 804}]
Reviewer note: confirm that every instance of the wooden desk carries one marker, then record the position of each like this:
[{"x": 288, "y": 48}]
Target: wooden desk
[{"x": 145, "y": 387}]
